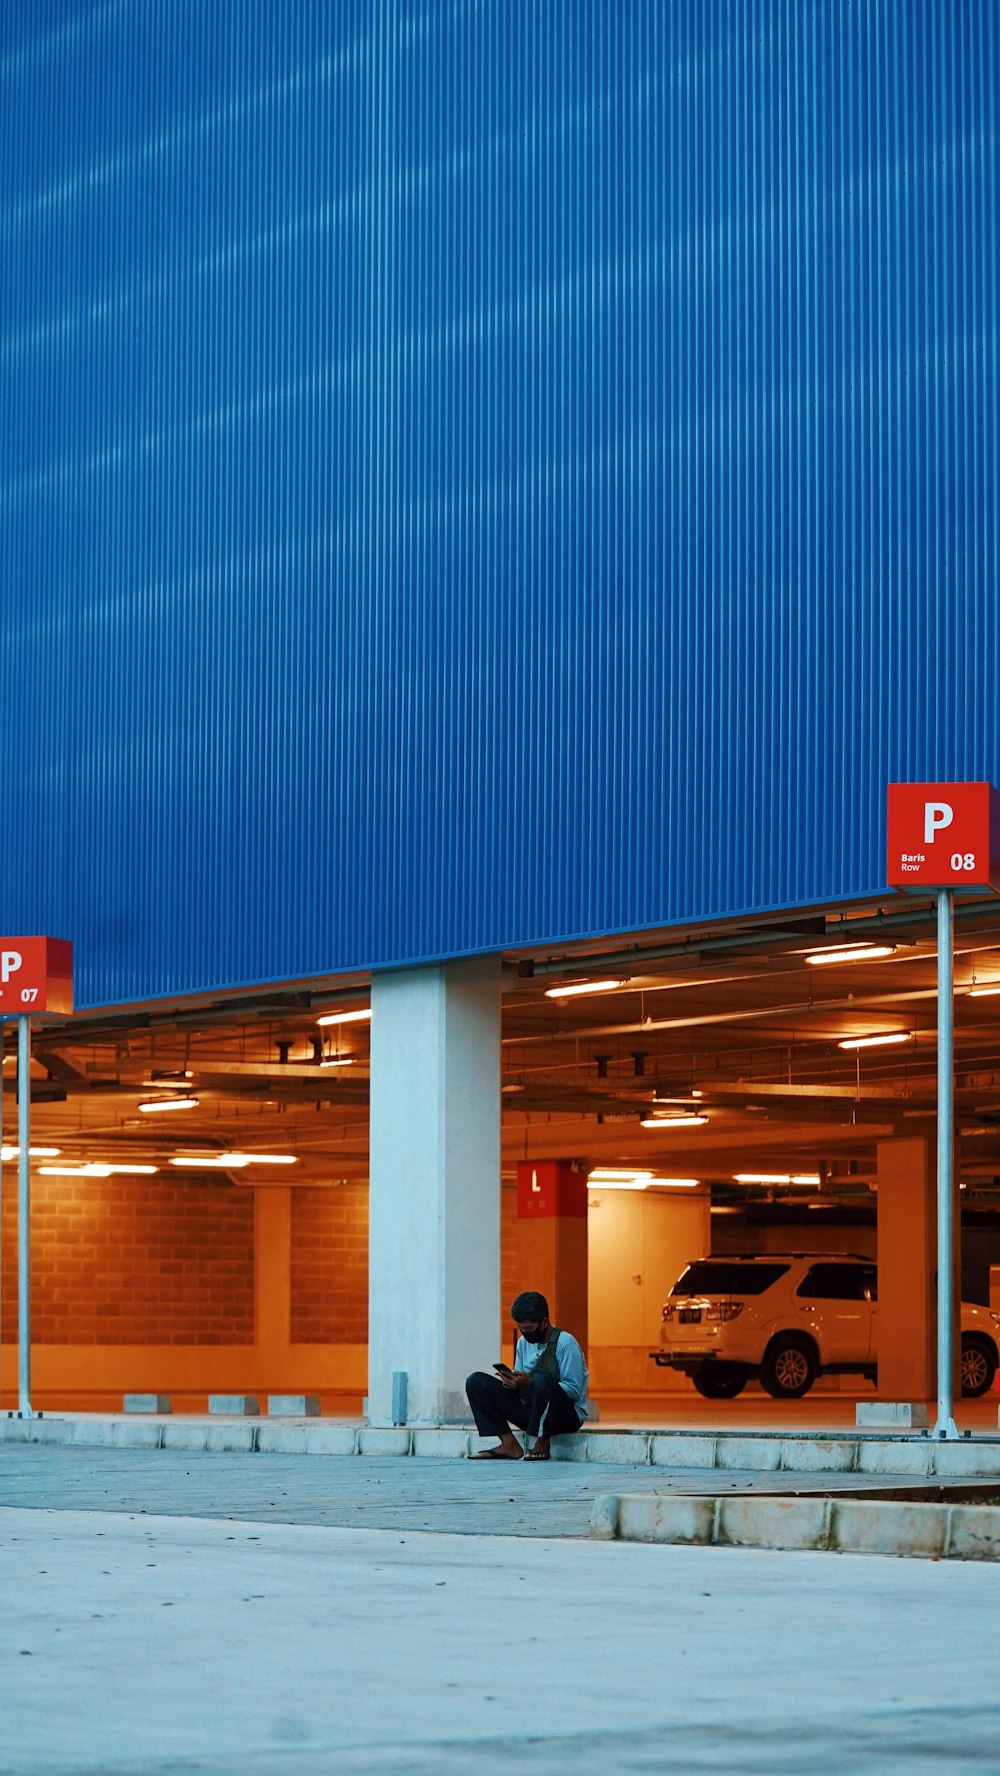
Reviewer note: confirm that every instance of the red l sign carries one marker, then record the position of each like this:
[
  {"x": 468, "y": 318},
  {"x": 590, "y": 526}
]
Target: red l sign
[{"x": 943, "y": 835}]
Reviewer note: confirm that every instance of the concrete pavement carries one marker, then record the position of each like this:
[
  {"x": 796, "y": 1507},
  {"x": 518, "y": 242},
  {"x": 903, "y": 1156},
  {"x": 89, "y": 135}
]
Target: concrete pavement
[
  {"x": 420, "y": 1493},
  {"x": 150, "y": 1645}
]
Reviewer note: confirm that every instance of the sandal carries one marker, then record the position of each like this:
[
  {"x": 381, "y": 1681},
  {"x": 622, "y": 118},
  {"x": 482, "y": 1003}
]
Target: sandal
[
  {"x": 535, "y": 1455},
  {"x": 495, "y": 1455}
]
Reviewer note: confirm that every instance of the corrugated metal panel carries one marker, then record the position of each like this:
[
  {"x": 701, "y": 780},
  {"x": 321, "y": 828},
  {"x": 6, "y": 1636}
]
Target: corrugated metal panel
[{"x": 484, "y": 471}]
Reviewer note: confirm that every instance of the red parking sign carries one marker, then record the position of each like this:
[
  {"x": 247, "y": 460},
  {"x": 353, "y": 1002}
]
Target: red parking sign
[
  {"x": 36, "y": 974},
  {"x": 943, "y": 835}
]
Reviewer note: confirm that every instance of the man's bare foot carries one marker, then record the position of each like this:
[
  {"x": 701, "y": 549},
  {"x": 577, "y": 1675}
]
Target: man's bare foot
[
  {"x": 540, "y": 1452},
  {"x": 508, "y": 1449}
]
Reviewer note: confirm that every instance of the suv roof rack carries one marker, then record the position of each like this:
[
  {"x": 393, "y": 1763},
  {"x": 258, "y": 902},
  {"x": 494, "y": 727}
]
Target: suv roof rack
[{"x": 745, "y": 1257}]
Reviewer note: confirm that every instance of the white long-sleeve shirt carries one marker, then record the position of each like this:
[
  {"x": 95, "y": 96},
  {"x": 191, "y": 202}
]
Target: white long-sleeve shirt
[{"x": 573, "y": 1375}]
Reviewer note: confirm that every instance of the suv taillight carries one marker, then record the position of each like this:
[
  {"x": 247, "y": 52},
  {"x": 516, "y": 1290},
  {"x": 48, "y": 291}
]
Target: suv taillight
[
  {"x": 724, "y": 1310},
  {"x": 668, "y": 1311}
]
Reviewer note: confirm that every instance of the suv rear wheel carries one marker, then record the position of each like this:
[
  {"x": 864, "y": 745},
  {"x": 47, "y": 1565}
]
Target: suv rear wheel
[
  {"x": 979, "y": 1366},
  {"x": 789, "y": 1367},
  {"x": 719, "y": 1381}
]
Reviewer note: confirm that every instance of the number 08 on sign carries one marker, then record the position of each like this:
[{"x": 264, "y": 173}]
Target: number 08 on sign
[
  {"x": 944, "y": 835},
  {"x": 36, "y": 975}
]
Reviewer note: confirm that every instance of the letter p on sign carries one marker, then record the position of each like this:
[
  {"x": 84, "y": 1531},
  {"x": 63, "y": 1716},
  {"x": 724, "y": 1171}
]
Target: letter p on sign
[
  {"x": 937, "y": 815},
  {"x": 10, "y": 962}
]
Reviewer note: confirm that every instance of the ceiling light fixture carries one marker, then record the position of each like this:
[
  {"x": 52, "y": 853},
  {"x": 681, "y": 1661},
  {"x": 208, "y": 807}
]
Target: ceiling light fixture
[
  {"x": 672, "y": 1122},
  {"x": 346, "y": 1017},
  {"x": 338, "y": 1061},
  {"x": 857, "y": 953},
  {"x": 33, "y": 1152},
  {"x": 983, "y": 992},
  {"x": 95, "y": 1168},
  {"x": 810, "y": 1178},
  {"x": 258, "y": 1159},
  {"x": 84, "y": 1171},
  {"x": 614, "y": 1175},
  {"x": 636, "y": 1183},
  {"x": 205, "y": 1162},
  {"x": 155, "y": 1104},
  {"x": 581, "y": 987},
  {"x": 884, "y": 1041}
]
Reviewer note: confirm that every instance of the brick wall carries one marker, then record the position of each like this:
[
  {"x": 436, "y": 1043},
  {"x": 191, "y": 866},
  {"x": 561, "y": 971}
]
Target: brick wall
[
  {"x": 329, "y": 1281},
  {"x": 140, "y": 1261},
  {"x": 132, "y": 1261}
]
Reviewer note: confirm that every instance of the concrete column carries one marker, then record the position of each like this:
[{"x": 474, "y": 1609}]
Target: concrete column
[
  {"x": 552, "y": 1240},
  {"x": 434, "y": 1251},
  {"x": 907, "y": 1264}
]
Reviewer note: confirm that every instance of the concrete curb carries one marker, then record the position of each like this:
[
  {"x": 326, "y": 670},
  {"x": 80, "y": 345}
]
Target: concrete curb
[
  {"x": 917, "y": 1456},
  {"x": 833, "y": 1525}
]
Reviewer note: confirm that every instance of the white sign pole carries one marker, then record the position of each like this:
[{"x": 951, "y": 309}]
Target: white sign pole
[
  {"x": 945, "y": 1426},
  {"x": 24, "y": 1217}
]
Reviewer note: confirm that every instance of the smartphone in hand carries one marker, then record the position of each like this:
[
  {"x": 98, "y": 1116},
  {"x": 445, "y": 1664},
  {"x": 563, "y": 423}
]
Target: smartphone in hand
[{"x": 503, "y": 1368}]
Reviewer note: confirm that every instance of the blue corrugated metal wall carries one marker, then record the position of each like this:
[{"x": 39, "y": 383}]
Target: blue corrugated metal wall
[{"x": 484, "y": 471}]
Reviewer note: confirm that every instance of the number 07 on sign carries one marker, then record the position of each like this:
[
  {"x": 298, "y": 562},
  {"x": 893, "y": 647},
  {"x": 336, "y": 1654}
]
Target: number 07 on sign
[{"x": 944, "y": 835}]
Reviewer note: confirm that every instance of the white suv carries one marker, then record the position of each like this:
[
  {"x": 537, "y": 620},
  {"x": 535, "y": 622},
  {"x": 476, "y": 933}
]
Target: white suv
[{"x": 786, "y": 1317}]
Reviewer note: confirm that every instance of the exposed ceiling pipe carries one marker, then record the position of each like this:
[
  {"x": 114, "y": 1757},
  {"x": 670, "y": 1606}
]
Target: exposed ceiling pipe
[
  {"x": 804, "y": 1009},
  {"x": 772, "y": 939}
]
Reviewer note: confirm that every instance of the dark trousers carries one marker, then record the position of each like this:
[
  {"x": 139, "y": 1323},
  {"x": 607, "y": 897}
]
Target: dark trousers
[{"x": 543, "y": 1410}]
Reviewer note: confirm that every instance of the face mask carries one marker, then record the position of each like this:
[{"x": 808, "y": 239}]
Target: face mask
[{"x": 536, "y": 1337}]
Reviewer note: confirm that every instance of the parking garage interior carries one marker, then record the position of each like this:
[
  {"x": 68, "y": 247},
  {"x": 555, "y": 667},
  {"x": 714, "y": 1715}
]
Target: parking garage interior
[{"x": 200, "y": 1170}]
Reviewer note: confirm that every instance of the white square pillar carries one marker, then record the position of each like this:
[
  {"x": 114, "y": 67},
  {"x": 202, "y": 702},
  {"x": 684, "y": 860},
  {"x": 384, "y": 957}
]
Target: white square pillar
[{"x": 434, "y": 1242}]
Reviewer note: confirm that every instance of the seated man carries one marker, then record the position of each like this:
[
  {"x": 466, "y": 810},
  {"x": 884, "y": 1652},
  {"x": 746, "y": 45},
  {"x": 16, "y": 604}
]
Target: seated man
[{"x": 545, "y": 1393}]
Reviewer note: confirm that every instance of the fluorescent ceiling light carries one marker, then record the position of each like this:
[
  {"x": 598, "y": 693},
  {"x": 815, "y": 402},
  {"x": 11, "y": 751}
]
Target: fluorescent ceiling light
[
  {"x": 205, "y": 1162},
  {"x": 34, "y": 1152},
  {"x": 260, "y": 1159},
  {"x": 581, "y": 987},
  {"x": 619, "y": 1183},
  {"x": 86, "y": 1171},
  {"x": 229, "y": 1162},
  {"x": 885, "y": 1041},
  {"x": 638, "y": 1181},
  {"x": 169, "y": 1104},
  {"x": 672, "y": 1122},
  {"x": 338, "y": 1061},
  {"x": 983, "y": 992},
  {"x": 857, "y": 953},
  {"x": 97, "y": 1169},
  {"x": 810, "y": 1178},
  {"x": 611, "y": 1175},
  {"x": 346, "y": 1017}
]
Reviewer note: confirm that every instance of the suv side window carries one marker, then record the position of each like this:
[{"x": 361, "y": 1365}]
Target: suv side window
[
  {"x": 836, "y": 1282},
  {"x": 714, "y": 1276}
]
